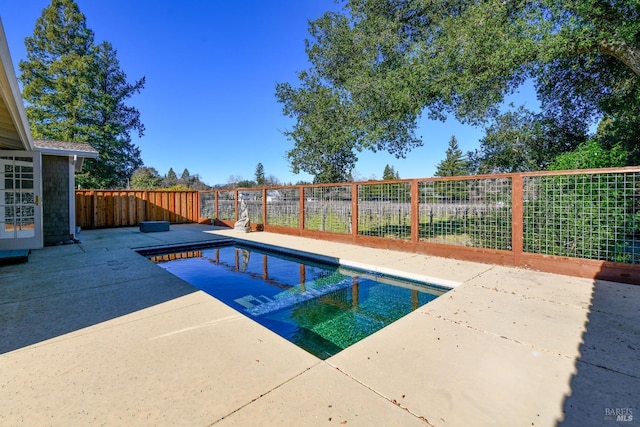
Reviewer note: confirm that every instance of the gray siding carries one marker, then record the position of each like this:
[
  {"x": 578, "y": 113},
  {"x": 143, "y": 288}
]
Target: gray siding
[{"x": 55, "y": 199}]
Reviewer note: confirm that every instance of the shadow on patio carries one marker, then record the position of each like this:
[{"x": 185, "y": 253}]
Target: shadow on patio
[
  {"x": 607, "y": 380},
  {"x": 66, "y": 288}
]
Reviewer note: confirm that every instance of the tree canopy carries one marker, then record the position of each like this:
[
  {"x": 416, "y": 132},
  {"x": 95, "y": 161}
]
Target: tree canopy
[
  {"x": 76, "y": 91},
  {"x": 146, "y": 178},
  {"x": 379, "y": 65},
  {"x": 591, "y": 154},
  {"x": 519, "y": 141}
]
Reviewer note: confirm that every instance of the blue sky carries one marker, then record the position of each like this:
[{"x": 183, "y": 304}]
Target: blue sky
[{"x": 211, "y": 68}]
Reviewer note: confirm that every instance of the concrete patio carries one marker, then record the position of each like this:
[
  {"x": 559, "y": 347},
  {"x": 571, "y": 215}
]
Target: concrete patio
[{"x": 95, "y": 334}]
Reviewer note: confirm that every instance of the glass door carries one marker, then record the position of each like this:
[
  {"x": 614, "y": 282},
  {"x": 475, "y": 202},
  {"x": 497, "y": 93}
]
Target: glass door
[{"x": 20, "y": 209}]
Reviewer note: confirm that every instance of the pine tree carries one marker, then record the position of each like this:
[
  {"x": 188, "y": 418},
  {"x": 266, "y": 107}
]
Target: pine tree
[
  {"x": 260, "y": 179},
  {"x": 76, "y": 92},
  {"x": 171, "y": 178},
  {"x": 454, "y": 163},
  {"x": 56, "y": 76},
  {"x": 111, "y": 123},
  {"x": 390, "y": 173},
  {"x": 185, "y": 178}
]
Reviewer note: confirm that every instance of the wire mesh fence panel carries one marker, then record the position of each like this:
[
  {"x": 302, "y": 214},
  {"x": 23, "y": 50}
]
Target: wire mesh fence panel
[
  {"x": 472, "y": 212},
  {"x": 227, "y": 205},
  {"x": 283, "y": 207},
  {"x": 384, "y": 210},
  {"x": 253, "y": 201},
  {"x": 592, "y": 216},
  {"x": 328, "y": 208},
  {"x": 207, "y": 204}
]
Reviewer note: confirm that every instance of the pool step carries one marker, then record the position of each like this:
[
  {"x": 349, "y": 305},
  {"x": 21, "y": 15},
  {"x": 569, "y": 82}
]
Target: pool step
[
  {"x": 14, "y": 256},
  {"x": 249, "y": 301},
  {"x": 293, "y": 299}
]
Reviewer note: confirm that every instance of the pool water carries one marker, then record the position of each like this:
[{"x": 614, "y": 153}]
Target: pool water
[{"x": 321, "y": 308}]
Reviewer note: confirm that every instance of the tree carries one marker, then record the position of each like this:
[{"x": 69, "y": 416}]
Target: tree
[
  {"x": 379, "y": 65},
  {"x": 272, "y": 181},
  {"x": 260, "y": 179},
  {"x": 76, "y": 91},
  {"x": 185, "y": 178},
  {"x": 520, "y": 141},
  {"x": 390, "y": 173},
  {"x": 323, "y": 142},
  {"x": 170, "y": 178},
  {"x": 197, "y": 184},
  {"x": 245, "y": 183},
  {"x": 233, "y": 181},
  {"x": 146, "y": 178},
  {"x": 590, "y": 155},
  {"x": 454, "y": 163},
  {"x": 57, "y": 74},
  {"x": 110, "y": 123}
]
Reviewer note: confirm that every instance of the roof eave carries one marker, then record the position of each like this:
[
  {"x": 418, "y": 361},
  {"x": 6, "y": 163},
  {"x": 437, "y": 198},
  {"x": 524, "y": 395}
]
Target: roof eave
[
  {"x": 70, "y": 153},
  {"x": 11, "y": 95}
]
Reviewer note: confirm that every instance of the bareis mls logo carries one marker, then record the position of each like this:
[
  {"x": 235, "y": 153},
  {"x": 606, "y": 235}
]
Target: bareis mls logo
[{"x": 618, "y": 414}]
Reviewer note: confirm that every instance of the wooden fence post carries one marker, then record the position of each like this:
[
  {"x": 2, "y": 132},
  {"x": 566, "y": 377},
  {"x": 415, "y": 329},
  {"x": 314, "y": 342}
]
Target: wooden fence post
[
  {"x": 301, "y": 207},
  {"x": 198, "y": 207},
  {"x": 215, "y": 205},
  {"x": 236, "y": 203},
  {"x": 517, "y": 217},
  {"x": 354, "y": 210},
  {"x": 415, "y": 211},
  {"x": 264, "y": 207}
]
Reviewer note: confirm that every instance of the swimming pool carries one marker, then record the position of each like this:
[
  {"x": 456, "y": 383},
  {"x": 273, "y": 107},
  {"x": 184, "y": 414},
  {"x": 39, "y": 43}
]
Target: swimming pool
[{"x": 323, "y": 308}]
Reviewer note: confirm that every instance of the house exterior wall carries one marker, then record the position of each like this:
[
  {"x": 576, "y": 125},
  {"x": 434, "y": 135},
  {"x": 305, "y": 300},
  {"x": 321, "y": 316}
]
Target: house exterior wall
[{"x": 55, "y": 199}]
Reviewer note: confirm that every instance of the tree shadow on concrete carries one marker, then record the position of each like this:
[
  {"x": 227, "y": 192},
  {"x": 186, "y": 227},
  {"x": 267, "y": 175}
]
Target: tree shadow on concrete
[{"x": 605, "y": 389}]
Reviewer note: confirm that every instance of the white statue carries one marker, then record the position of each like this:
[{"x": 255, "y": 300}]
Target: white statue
[{"x": 243, "y": 225}]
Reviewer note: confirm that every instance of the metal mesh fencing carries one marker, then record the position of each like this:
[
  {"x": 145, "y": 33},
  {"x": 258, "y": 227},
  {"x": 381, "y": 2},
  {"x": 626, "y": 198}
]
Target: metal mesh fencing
[
  {"x": 593, "y": 216},
  {"x": 328, "y": 208},
  {"x": 207, "y": 204},
  {"x": 384, "y": 210},
  {"x": 227, "y": 205},
  {"x": 473, "y": 212},
  {"x": 283, "y": 207},
  {"x": 586, "y": 215},
  {"x": 253, "y": 201}
]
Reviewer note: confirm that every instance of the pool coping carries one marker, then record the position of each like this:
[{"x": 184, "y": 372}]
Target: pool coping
[{"x": 325, "y": 259}]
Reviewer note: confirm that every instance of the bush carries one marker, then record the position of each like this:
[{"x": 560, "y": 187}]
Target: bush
[{"x": 585, "y": 216}]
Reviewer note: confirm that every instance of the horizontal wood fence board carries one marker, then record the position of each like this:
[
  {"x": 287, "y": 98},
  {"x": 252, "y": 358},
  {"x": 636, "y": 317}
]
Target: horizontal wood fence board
[{"x": 128, "y": 208}]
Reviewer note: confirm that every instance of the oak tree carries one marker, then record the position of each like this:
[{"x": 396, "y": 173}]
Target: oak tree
[{"x": 379, "y": 65}]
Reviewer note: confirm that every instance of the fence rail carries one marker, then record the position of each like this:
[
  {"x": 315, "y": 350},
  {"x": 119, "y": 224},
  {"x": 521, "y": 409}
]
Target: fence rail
[{"x": 583, "y": 223}]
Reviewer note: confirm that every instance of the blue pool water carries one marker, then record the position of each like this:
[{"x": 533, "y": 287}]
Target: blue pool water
[{"x": 321, "y": 308}]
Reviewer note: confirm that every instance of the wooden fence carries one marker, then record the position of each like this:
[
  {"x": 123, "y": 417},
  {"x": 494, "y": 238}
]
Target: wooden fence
[{"x": 126, "y": 208}]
